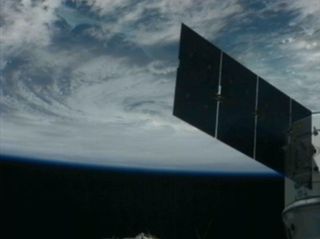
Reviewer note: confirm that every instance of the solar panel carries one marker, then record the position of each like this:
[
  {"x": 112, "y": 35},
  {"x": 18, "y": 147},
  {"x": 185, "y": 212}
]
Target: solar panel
[
  {"x": 236, "y": 125},
  {"x": 273, "y": 121},
  {"x": 221, "y": 97},
  {"x": 299, "y": 112},
  {"x": 197, "y": 82}
]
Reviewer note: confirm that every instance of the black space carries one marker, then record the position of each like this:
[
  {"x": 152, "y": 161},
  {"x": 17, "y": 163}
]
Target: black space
[{"x": 64, "y": 201}]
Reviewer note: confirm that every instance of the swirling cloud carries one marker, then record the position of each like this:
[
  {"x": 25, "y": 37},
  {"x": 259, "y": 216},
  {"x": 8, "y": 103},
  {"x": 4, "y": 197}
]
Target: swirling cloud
[{"x": 93, "y": 81}]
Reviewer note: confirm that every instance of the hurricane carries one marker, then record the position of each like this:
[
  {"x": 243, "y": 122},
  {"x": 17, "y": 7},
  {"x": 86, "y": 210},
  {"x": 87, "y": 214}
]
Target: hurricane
[{"x": 92, "y": 82}]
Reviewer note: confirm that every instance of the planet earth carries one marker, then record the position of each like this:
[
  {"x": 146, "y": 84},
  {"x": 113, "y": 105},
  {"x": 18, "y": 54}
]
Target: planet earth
[{"x": 92, "y": 81}]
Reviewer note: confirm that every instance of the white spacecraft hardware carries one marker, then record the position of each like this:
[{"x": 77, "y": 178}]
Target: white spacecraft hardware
[
  {"x": 223, "y": 98},
  {"x": 302, "y": 205}
]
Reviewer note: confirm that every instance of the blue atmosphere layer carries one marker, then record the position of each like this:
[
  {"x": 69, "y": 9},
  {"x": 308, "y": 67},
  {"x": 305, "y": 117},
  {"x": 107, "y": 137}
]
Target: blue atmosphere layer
[{"x": 131, "y": 170}]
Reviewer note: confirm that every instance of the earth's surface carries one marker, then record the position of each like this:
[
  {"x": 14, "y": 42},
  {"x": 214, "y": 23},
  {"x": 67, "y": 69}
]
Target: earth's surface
[{"x": 93, "y": 81}]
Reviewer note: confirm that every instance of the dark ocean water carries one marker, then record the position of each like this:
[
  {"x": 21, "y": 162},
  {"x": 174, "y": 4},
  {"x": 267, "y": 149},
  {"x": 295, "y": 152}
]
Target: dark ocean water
[{"x": 56, "y": 200}]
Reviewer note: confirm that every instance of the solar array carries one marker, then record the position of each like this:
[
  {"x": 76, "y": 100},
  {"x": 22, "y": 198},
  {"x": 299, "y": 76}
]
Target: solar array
[{"x": 221, "y": 97}]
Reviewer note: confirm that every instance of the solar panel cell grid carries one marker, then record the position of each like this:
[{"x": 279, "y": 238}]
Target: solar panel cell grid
[
  {"x": 236, "y": 113},
  {"x": 221, "y": 97}
]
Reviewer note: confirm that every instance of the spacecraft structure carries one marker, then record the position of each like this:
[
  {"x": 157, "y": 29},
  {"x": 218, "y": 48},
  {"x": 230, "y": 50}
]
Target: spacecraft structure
[{"x": 221, "y": 97}]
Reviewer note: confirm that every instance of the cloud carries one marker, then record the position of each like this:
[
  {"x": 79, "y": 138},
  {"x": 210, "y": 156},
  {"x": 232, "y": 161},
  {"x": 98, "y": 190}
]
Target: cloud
[
  {"x": 304, "y": 51},
  {"x": 100, "y": 91},
  {"x": 116, "y": 113},
  {"x": 158, "y": 22},
  {"x": 306, "y": 8},
  {"x": 146, "y": 144},
  {"x": 103, "y": 6},
  {"x": 25, "y": 24}
]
